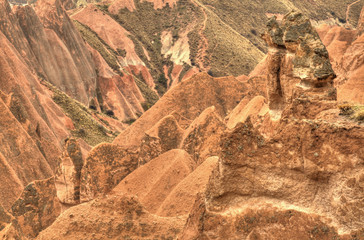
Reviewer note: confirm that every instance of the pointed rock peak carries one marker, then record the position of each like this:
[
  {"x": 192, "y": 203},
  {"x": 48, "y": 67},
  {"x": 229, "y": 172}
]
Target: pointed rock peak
[{"x": 274, "y": 34}]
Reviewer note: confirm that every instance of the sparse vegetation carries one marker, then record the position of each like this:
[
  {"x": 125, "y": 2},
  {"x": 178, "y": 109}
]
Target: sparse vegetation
[
  {"x": 149, "y": 95},
  {"x": 86, "y": 127},
  {"x": 229, "y": 52},
  {"x": 355, "y": 112},
  {"x": 100, "y": 45},
  {"x": 130, "y": 121},
  {"x": 146, "y": 25}
]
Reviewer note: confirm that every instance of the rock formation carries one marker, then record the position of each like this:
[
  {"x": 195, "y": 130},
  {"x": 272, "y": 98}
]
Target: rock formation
[
  {"x": 308, "y": 177},
  {"x": 188, "y": 99},
  {"x": 59, "y": 46},
  {"x": 68, "y": 175},
  {"x": 297, "y": 61},
  {"x": 345, "y": 48},
  {"x": 114, "y": 217},
  {"x": 264, "y": 156},
  {"x": 105, "y": 166},
  {"x": 153, "y": 182},
  {"x": 182, "y": 198},
  {"x": 202, "y": 136},
  {"x": 37, "y": 207}
]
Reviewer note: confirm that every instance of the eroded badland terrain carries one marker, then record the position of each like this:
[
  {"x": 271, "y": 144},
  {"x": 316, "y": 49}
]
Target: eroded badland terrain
[{"x": 182, "y": 119}]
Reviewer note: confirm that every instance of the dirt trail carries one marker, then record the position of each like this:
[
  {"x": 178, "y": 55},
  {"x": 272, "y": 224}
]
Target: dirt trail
[
  {"x": 348, "y": 10},
  {"x": 201, "y": 55},
  {"x": 203, "y": 45}
]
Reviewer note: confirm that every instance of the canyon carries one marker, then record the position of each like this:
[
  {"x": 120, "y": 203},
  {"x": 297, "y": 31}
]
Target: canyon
[{"x": 181, "y": 119}]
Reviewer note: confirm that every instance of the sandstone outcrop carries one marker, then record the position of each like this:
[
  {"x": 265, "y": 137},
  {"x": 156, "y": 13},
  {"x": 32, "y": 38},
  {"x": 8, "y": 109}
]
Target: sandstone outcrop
[
  {"x": 189, "y": 98},
  {"x": 297, "y": 61},
  {"x": 80, "y": 79},
  {"x": 183, "y": 196},
  {"x": 266, "y": 222},
  {"x": 68, "y": 174},
  {"x": 106, "y": 165},
  {"x": 201, "y": 138},
  {"x": 19, "y": 149},
  {"x": 11, "y": 29},
  {"x": 120, "y": 95},
  {"x": 153, "y": 182},
  {"x": 264, "y": 156},
  {"x": 164, "y": 136},
  {"x": 54, "y": 54},
  {"x": 345, "y": 48},
  {"x": 168, "y": 131},
  {"x": 37, "y": 207},
  {"x": 294, "y": 180},
  {"x": 254, "y": 108},
  {"x": 300, "y": 172},
  {"x": 120, "y": 216}
]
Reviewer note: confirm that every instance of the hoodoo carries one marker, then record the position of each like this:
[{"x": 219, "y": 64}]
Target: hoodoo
[{"x": 190, "y": 120}]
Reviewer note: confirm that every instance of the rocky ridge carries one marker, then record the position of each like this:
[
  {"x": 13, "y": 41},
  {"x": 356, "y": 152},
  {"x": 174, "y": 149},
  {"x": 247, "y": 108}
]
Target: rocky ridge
[
  {"x": 294, "y": 175},
  {"x": 211, "y": 159}
]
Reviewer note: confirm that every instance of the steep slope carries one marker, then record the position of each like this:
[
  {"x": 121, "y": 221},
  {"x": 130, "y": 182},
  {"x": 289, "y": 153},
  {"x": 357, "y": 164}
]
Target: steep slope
[
  {"x": 288, "y": 165},
  {"x": 154, "y": 181},
  {"x": 181, "y": 199},
  {"x": 36, "y": 116},
  {"x": 345, "y": 48},
  {"x": 188, "y": 99},
  {"x": 280, "y": 177},
  {"x": 58, "y": 46},
  {"x": 205, "y": 25}
]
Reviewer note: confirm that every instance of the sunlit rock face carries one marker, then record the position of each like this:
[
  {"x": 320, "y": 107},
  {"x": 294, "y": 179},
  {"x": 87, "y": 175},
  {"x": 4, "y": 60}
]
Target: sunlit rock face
[{"x": 297, "y": 61}]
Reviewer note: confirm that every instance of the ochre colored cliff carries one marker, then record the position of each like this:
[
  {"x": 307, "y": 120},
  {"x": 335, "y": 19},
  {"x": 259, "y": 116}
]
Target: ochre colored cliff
[{"x": 273, "y": 154}]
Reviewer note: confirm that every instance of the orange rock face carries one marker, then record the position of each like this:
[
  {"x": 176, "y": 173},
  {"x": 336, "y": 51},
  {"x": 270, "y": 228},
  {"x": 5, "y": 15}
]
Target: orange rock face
[
  {"x": 153, "y": 182},
  {"x": 114, "y": 217},
  {"x": 202, "y": 136},
  {"x": 181, "y": 199},
  {"x": 58, "y": 46},
  {"x": 68, "y": 174},
  {"x": 105, "y": 166},
  {"x": 345, "y": 49},
  {"x": 264, "y": 156},
  {"x": 188, "y": 99},
  {"x": 297, "y": 60},
  {"x": 37, "y": 207}
]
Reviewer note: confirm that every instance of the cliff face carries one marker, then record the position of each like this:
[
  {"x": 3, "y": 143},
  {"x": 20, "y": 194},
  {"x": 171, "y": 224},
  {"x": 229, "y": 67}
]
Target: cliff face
[
  {"x": 35, "y": 119},
  {"x": 264, "y": 156},
  {"x": 243, "y": 168},
  {"x": 58, "y": 46}
]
